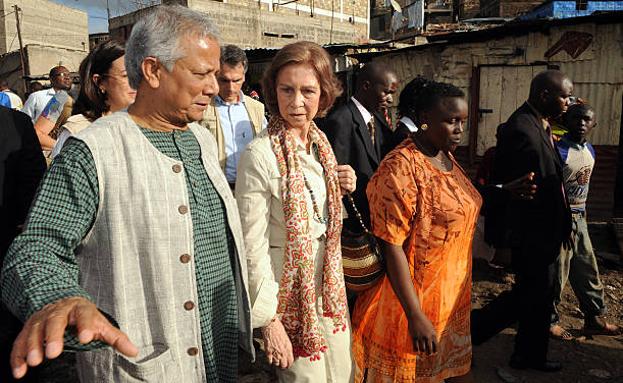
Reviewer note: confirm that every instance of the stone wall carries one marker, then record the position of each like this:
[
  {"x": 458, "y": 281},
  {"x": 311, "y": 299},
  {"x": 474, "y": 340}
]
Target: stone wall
[
  {"x": 45, "y": 23},
  {"x": 252, "y": 24}
]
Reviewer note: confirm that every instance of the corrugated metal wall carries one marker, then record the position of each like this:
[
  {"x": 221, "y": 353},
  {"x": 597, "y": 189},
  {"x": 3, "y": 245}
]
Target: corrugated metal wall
[{"x": 597, "y": 73}]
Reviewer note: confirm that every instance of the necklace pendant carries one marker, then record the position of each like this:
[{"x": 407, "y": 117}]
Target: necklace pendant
[{"x": 321, "y": 220}]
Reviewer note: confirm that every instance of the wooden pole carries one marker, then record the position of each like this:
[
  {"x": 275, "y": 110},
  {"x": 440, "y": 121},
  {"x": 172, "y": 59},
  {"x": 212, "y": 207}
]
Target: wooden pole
[{"x": 21, "y": 48}]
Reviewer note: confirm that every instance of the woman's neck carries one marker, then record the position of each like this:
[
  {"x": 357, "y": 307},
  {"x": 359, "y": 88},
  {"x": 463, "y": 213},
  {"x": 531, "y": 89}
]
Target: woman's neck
[
  {"x": 426, "y": 146},
  {"x": 301, "y": 134}
]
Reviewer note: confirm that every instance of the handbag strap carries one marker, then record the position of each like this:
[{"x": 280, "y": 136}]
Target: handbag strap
[{"x": 357, "y": 214}]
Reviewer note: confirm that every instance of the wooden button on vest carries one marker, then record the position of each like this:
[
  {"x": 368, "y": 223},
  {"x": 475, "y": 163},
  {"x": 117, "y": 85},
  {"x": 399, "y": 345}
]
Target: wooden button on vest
[
  {"x": 177, "y": 168},
  {"x": 185, "y": 258},
  {"x": 183, "y": 209},
  {"x": 189, "y": 305},
  {"x": 193, "y": 351}
]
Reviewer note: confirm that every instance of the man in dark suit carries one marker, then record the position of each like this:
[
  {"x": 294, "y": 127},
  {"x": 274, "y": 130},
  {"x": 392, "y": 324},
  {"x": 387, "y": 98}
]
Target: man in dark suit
[
  {"x": 358, "y": 132},
  {"x": 21, "y": 167},
  {"x": 536, "y": 228}
]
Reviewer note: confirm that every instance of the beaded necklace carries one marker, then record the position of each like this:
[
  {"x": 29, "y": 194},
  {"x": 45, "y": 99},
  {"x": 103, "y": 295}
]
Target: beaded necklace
[{"x": 317, "y": 216}]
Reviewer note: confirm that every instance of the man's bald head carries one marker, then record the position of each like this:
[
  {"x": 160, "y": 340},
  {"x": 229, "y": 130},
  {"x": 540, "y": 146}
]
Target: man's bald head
[
  {"x": 549, "y": 92},
  {"x": 376, "y": 83}
]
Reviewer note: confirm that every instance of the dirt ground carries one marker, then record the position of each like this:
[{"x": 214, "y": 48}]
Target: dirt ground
[{"x": 586, "y": 360}]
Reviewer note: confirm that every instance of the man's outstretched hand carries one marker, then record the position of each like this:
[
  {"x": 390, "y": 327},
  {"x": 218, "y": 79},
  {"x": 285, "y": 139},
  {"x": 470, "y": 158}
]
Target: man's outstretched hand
[{"x": 42, "y": 335}]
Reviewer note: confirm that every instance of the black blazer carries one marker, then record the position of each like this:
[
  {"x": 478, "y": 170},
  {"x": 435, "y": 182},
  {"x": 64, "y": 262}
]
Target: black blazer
[
  {"x": 21, "y": 168},
  {"x": 396, "y": 137},
  {"x": 349, "y": 136},
  {"x": 543, "y": 223}
]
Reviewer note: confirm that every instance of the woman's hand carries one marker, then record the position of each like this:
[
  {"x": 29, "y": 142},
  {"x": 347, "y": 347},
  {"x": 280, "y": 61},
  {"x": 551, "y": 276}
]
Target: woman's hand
[
  {"x": 423, "y": 334},
  {"x": 277, "y": 344},
  {"x": 347, "y": 178}
]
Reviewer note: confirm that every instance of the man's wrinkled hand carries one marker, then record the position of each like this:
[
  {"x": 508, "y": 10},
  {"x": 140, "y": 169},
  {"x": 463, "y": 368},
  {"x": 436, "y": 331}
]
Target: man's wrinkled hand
[{"x": 43, "y": 333}]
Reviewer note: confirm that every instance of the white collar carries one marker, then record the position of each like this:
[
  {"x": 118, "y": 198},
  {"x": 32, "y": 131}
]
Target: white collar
[
  {"x": 367, "y": 116},
  {"x": 409, "y": 124}
]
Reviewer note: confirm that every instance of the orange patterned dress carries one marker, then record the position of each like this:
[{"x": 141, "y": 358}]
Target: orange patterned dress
[{"x": 432, "y": 215}]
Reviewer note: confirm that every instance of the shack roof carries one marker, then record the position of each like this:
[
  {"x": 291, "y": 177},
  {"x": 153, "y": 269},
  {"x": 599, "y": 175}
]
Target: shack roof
[{"x": 512, "y": 28}]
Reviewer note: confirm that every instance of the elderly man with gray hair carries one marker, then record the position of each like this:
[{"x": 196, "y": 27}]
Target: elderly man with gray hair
[{"x": 134, "y": 238}]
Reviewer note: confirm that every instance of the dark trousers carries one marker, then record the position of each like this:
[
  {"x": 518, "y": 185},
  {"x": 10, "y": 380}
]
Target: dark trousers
[{"x": 529, "y": 303}]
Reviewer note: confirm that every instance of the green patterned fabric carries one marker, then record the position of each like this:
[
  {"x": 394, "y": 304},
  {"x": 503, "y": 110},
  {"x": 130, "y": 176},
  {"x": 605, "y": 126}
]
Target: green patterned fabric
[{"x": 41, "y": 266}]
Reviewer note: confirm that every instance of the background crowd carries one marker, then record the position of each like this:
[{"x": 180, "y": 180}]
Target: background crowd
[{"x": 178, "y": 214}]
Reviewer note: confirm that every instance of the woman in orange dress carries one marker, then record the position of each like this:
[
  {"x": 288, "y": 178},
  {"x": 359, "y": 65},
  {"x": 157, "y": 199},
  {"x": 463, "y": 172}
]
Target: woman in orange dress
[{"x": 413, "y": 326}]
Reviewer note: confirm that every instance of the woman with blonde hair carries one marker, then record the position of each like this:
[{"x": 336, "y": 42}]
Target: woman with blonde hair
[{"x": 289, "y": 190}]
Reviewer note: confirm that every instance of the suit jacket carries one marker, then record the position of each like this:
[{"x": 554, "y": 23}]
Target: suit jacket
[
  {"x": 396, "y": 137},
  {"x": 21, "y": 167},
  {"x": 544, "y": 222},
  {"x": 349, "y": 136}
]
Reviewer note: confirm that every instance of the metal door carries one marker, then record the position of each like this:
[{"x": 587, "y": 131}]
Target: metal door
[{"x": 502, "y": 90}]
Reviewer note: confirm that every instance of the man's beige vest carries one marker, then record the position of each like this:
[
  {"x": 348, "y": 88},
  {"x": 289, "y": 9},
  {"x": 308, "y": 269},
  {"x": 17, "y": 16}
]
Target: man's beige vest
[
  {"x": 255, "y": 110},
  {"x": 131, "y": 260}
]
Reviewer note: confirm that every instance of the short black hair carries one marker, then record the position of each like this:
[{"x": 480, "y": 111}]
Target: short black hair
[
  {"x": 549, "y": 80},
  {"x": 373, "y": 72},
  {"x": 233, "y": 55},
  {"x": 580, "y": 109},
  {"x": 55, "y": 71},
  {"x": 422, "y": 94}
]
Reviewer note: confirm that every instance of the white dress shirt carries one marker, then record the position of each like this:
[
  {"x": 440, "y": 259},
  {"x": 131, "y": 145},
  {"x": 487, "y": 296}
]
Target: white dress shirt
[
  {"x": 36, "y": 103},
  {"x": 16, "y": 101},
  {"x": 367, "y": 116},
  {"x": 409, "y": 124}
]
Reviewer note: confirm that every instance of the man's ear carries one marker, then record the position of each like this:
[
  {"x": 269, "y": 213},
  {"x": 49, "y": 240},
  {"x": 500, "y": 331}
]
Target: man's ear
[
  {"x": 366, "y": 85},
  {"x": 423, "y": 118},
  {"x": 544, "y": 96},
  {"x": 152, "y": 70}
]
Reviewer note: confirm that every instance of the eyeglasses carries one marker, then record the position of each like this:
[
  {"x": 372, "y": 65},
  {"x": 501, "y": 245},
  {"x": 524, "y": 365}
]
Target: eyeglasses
[{"x": 63, "y": 75}]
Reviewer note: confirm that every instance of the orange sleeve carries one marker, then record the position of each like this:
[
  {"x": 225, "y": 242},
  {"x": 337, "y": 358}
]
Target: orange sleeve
[{"x": 392, "y": 194}]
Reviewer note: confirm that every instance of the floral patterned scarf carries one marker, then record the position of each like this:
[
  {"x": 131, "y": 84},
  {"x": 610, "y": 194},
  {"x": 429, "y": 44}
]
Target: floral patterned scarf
[{"x": 297, "y": 291}]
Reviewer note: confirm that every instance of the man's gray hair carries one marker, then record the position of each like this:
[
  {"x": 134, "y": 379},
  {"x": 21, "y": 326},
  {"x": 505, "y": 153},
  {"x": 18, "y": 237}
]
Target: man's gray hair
[{"x": 158, "y": 34}]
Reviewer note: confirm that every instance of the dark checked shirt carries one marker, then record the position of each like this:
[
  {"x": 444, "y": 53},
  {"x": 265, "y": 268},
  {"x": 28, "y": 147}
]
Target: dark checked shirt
[{"x": 41, "y": 265}]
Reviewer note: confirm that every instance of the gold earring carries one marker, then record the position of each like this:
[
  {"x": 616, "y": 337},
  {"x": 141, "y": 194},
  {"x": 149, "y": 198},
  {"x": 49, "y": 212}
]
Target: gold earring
[{"x": 424, "y": 126}]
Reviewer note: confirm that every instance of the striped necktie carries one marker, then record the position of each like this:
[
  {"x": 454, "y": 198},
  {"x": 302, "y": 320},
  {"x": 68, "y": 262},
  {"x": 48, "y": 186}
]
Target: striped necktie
[{"x": 372, "y": 129}]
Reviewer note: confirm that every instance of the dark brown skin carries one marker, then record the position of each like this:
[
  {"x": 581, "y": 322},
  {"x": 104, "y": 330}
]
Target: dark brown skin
[
  {"x": 425, "y": 338},
  {"x": 376, "y": 88},
  {"x": 443, "y": 133},
  {"x": 550, "y": 93}
]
